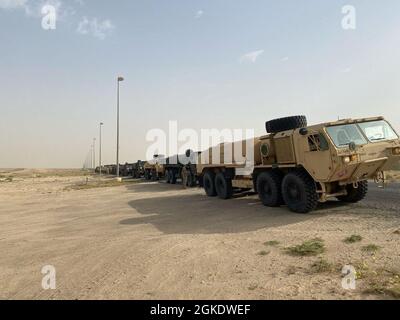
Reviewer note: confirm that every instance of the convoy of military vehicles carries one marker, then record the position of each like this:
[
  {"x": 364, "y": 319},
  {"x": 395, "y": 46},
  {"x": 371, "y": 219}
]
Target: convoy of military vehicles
[{"x": 294, "y": 164}]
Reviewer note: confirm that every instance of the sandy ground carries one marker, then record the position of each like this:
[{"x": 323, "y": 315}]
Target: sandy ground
[{"x": 156, "y": 241}]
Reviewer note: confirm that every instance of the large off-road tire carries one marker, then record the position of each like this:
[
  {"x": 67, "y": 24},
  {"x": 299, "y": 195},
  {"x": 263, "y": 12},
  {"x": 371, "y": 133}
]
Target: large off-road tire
[
  {"x": 173, "y": 176},
  {"x": 168, "y": 176},
  {"x": 299, "y": 192},
  {"x": 269, "y": 188},
  {"x": 154, "y": 175},
  {"x": 355, "y": 194},
  {"x": 209, "y": 184},
  {"x": 191, "y": 180},
  {"x": 184, "y": 177},
  {"x": 147, "y": 175},
  {"x": 223, "y": 186},
  {"x": 283, "y": 124}
]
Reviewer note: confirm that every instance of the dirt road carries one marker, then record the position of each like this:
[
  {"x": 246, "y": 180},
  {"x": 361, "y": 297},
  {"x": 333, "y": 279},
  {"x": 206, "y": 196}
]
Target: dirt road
[{"x": 156, "y": 241}]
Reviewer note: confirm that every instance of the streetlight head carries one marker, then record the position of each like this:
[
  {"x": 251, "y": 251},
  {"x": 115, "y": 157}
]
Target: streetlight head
[
  {"x": 121, "y": 79},
  {"x": 101, "y": 123}
]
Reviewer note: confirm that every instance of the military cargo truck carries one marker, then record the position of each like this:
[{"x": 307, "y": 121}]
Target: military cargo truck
[
  {"x": 182, "y": 167},
  {"x": 154, "y": 169},
  {"x": 138, "y": 169},
  {"x": 126, "y": 169},
  {"x": 299, "y": 165},
  {"x": 111, "y": 169},
  {"x": 189, "y": 175},
  {"x": 173, "y": 169}
]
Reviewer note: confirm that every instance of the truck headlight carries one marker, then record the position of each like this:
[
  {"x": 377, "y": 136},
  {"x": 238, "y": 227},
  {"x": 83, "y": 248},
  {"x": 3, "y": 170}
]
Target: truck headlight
[
  {"x": 354, "y": 158},
  {"x": 396, "y": 151},
  {"x": 346, "y": 160}
]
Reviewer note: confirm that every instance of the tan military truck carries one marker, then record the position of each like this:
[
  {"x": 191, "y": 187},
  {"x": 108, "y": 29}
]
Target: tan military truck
[
  {"x": 154, "y": 169},
  {"x": 300, "y": 165},
  {"x": 138, "y": 169}
]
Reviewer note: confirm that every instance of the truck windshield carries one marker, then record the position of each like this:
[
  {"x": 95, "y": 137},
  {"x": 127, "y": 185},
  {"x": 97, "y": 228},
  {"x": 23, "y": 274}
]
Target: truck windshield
[
  {"x": 343, "y": 135},
  {"x": 375, "y": 131},
  {"x": 378, "y": 131}
]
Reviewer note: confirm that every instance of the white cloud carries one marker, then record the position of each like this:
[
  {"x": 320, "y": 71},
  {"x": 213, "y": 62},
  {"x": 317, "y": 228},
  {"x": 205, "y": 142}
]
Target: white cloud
[
  {"x": 13, "y": 4},
  {"x": 199, "y": 14},
  {"x": 251, "y": 57},
  {"x": 33, "y": 8},
  {"x": 95, "y": 28}
]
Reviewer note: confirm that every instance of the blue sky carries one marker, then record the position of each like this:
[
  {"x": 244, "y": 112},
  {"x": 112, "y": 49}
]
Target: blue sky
[{"x": 206, "y": 64}]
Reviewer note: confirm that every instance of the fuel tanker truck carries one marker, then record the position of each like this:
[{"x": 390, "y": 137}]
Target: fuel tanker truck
[{"x": 299, "y": 165}]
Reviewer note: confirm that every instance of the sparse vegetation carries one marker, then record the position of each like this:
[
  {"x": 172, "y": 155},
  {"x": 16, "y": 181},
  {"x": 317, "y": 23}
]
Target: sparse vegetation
[
  {"x": 379, "y": 281},
  {"x": 393, "y": 292},
  {"x": 384, "y": 282},
  {"x": 371, "y": 248},
  {"x": 253, "y": 287},
  {"x": 4, "y": 178},
  {"x": 308, "y": 248},
  {"x": 397, "y": 232},
  {"x": 321, "y": 266},
  {"x": 353, "y": 239},
  {"x": 362, "y": 270},
  {"x": 100, "y": 184},
  {"x": 63, "y": 173},
  {"x": 263, "y": 253},
  {"x": 291, "y": 270},
  {"x": 272, "y": 243},
  {"x": 44, "y": 173}
]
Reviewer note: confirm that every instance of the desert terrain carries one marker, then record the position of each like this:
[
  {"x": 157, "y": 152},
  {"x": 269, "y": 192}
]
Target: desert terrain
[{"x": 140, "y": 240}]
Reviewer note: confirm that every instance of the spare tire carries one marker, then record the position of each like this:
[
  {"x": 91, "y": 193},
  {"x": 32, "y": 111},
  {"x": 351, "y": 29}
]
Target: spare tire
[{"x": 288, "y": 123}]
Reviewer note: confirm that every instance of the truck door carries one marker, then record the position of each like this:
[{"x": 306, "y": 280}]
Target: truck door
[{"x": 316, "y": 157}]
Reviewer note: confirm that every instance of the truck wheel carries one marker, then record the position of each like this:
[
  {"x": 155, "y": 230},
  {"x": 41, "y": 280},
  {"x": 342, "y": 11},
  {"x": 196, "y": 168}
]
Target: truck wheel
[
  {"x": 167, "y": 176},
  {"x": 209, "y": 185},
  {"x": 283, "y": 124},
  {"x": 191, "y": 182},
  {"x": 269, "y": 188},
  {"x": 147, "y": 175},
  {"x": 223, "y": 186},
  {"x": 154, "y": 175},
  {"x": 355, "y": 194},
  {"x": 184, "y": 177},
  {"x": 299, "y": 192},
  {"x": 173, "y": 176}
]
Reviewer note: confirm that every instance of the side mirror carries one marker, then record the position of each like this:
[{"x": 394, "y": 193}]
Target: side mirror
[
  {"x": 352, "y": 146},
  {"x": 303, "y": 131}
]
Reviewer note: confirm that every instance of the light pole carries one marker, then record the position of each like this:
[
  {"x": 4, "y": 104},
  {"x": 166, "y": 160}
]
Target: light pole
[
  {"x": 101, "y": 124},
  {"x": 91, "y": 157},
  {"x": 94, "y": 153},
  {"x": 120, "y": 79}
]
